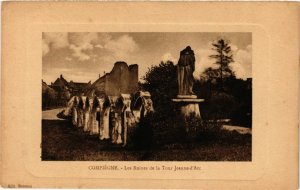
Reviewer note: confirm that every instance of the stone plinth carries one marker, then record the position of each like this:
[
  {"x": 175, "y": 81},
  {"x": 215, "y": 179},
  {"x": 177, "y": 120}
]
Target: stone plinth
[{"x": 188, "y": 105}]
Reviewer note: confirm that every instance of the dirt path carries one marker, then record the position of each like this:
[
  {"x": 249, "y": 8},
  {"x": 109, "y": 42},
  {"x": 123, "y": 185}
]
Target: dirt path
[{"x": 51, "y": 114}]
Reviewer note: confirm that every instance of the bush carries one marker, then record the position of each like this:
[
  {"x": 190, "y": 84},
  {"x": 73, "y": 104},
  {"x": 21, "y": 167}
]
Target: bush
[
  {"x": 242, "y": 116},
  {"x": 233, "y": 101},
  {"x": 143, "y": 134},
  {"x": 219, "y": 106},
  {"x": 168, "y": 129},
  {"x": 192, "y": 126},
  {"x": 161, "y": 82},
  {"x": 156, "y": 130}
]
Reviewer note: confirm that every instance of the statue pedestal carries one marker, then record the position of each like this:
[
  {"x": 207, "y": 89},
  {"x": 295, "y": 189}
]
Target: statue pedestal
[{"x": 189, "y": 105}]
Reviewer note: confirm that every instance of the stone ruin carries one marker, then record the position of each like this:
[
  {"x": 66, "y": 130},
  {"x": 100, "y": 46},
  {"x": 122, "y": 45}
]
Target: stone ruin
[{"x": 117, "y": 113}]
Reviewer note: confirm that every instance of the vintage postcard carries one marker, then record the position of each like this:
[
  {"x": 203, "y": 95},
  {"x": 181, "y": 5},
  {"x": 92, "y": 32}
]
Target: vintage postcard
[{"x": 161, "y": 95}]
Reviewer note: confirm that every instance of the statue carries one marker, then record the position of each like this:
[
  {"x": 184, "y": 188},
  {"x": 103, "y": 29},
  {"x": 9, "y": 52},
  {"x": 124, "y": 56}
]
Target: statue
[{"x": 185, "y": 69}]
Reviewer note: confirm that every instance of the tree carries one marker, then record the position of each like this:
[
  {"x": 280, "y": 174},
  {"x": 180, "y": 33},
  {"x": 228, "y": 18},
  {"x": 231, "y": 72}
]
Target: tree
[
  {"x": 49, "y": 98},
  {"x": 161, "y": 82},
  {"x": 210, "y": 75},
  {"x": 65, "y": 95},
  {"x": 223, "y": 58}
]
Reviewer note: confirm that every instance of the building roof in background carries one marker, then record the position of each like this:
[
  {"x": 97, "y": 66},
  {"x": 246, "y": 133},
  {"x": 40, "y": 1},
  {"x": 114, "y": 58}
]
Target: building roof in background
[{"x": 61, "y": 81}]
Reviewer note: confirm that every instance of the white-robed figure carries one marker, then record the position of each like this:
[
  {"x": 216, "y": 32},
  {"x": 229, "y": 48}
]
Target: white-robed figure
[
  {"x": 80, "y": 109},
  {"x": 104, "y": 118},
  {"x": 93, "y": 123},
  {"x": 69, "y": 108},
  {"x": 104, "y": 126},
  {"x": 116, "y": 129},
  {"x": 127, "y": 118},
  {"x": 74, "y": 111},
  {"x": 86, "y": 116}
]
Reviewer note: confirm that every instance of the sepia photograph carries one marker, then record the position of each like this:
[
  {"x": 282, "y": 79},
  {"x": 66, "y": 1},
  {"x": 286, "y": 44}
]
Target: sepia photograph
[
  {"x": 146, "y": 96},
  {"x": 158, "y": 95}
]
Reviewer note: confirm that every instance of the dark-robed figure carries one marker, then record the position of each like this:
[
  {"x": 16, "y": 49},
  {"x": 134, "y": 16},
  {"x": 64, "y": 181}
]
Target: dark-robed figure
[{"x": 185, "y": 69}]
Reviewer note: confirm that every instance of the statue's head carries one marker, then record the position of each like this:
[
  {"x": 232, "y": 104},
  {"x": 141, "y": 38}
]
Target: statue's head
[
  {"x": 187, "y": 51},
  {"x": 188, "y": 48}
]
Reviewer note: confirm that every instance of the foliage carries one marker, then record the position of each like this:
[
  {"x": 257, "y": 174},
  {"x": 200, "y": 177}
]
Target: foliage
[
  {"x": 233, "y": 101},
  {"x": 161, "y": 82},
  {"x": 156, "y": 130},
  {"x": 143, "y": 134},
  {"x": 54, "y": 99},
  {"x": 220, "y": 106},
  {"x": 225, "y": 95},
  {"x": 62, "y": 97},
  {"x": 223, "y": 58},
  {"x": 49, "y": 97},
  {"x": 224, "y": 54},
  {"x": 192, "y": 125}
]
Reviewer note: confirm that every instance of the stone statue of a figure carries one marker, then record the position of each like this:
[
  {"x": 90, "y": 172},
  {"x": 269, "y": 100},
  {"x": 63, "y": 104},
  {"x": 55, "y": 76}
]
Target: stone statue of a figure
[{"x": 185, "y": 69}]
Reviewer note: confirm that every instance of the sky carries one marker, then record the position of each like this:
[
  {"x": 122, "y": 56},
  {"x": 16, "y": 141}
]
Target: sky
[{"x": 81, "y": 57}]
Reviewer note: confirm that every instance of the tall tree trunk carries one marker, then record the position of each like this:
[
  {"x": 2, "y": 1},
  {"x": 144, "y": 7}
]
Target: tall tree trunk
[{"x": 221, "y": 62}]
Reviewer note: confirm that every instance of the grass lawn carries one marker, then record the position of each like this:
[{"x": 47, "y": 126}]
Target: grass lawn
[{"x": 63, "y": 142}]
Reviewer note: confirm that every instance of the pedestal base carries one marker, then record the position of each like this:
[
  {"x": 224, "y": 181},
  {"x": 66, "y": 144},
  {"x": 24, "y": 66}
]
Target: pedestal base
[{"x": 188, "y": 105}]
